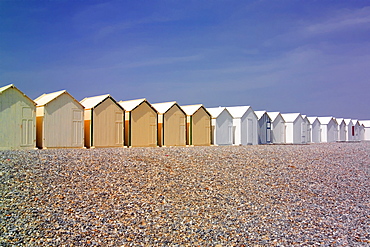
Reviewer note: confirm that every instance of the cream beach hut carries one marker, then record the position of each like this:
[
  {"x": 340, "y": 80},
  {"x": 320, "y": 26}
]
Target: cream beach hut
[
  {"x": 341, "y": 129},
  {"x": 17, "y": 119},
  {"x": 171, "y": 124},
  {"x": 366, "y": 124},
  {"x": 245, "y": 124},
  {"x": 104, "y": 120},
  {"x": 59, "y": 121},
  {"x": 315, "y": 132},
  {"x": 222, "y": 126},
  {"x": 329, "y": 129},
  {"x": 350, "y": 130},
  {"x": 140, "y": 123},
  {"x": 198, "y": 125},
  {"x": 277, "y": 127},
  {"x": 295, "y": 128},
  {"x": 264, "y": 127}
]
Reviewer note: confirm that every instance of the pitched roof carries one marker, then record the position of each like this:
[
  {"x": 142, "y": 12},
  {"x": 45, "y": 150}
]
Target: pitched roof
[
  {"x": 3, "y": 89},
  {"x": 326, "y": 120},
  {"x": 216, "y": 111},
  {"x": 311, "y": 120},
  {"x": 129, "y": 105},
  {"x": 238, "y": 111},
  {"x": 348, "y": 121},
  {"x": 91, "y": 102},
  {"x": 191, "y": 109},
  {"x": 339, "y": 120},
  {"x": 290, "y": 117},
  {"x": 274, "y": 115},
  {"x": 163, "y": 107},
  {"x": 259, "y": 114},
  {"x": 366, "y": 123},
  {"x": 48, "y": 97}
]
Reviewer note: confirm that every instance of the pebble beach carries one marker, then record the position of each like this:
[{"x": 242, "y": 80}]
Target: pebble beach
[{"x": 264, "y": 195}]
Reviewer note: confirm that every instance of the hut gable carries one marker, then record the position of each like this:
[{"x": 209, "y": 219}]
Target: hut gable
[
  {"x": 140, "y": 123},
  {"x": 18, "y": 125},
  {"x": 59, "y": 121},
  {"x": 104, "y": 122}
]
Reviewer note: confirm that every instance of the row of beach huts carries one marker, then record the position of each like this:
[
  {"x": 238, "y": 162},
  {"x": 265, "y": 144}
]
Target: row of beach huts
[{"x": 58, "y": 120}]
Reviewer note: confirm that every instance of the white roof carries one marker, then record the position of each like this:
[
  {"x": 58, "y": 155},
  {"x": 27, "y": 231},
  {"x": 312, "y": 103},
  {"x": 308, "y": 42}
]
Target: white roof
[
  {"x": 325, "y": 120},
  {"x": 348, "y": 121},
  {"x": 163, "y": 107},
  {"x": 366, "y": 123},
  {"x": 91, "y": 102},
  {"x": 312, "y": 119},
  {"x": 129, "y": 105},
  {"x": 47, "y": 97},
  {"x": 191, "y": 109},
  {"x": 3, "y": 89},
  {"x": 339, "y": 120},
  {"x": 259, "y": 114},
  {"x": 290, "y": 117},
  {"x": 216, "y": 111},
  {"x": 237, "y": 111},
  {"x": 355, "y": 121},
  {"x": 273, "y": 115}
]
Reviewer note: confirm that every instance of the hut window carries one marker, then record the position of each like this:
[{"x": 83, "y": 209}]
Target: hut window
[{"x": 353, "y": 130}]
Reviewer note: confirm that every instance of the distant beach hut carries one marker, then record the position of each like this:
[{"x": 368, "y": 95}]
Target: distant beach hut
[
  {"x": 277, "y": 127},
  {"x": 306, "y": 132},
  {"x": 329, "y": 129},
  {"x": 17, "y": 119},
  {"x": 350, "y": 130},
  {"x": 357, "y": 127},
  {"x": 264, "y": 127},
  {"x": 295, "y": 128},
  {"x": 104, "y": 120},
  {"x": 198, "y": 125},
  {"x": 366, "y": 124},
  {"x": 222, "y": 126},
  {"x": 171, "y": 124},
  {"x": 315, "y": 132},
  {"x": 245, "y": 125},
  {"x": 341, "y": 129},
  {"x": 140, "y": 123},
  {"x": 59, "y": 121}
]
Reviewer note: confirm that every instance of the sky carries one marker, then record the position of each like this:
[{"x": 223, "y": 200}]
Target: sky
[{"x": 311, "y": 57}]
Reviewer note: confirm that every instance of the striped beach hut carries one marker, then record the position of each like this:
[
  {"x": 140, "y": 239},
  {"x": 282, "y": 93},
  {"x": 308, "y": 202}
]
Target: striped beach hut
[
  {"x": 277, "y": 127},
  {"x": 245, "y": 125},
  {"x": 222, "y": 126},
  {"x": 140, "y": 123},
  {"x": 17, "y": 119},
  {"x": 59, "y": 121},
  {"x": 171, "y": 124},
  {"x": 198, "y": 125},
  {"x": 104, "y": 120}
]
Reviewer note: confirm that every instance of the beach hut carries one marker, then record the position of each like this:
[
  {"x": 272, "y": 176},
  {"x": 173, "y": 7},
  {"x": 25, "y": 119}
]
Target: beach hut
[
  {"x": 341, "y": 129},
  {"x": 350, "y": 130},
  {"x": 245, "y": 124},
  {"x": 329, "y": 129},
  {"x": 222, "y": 126},
  {"x": 277, "y": 127},
  {"x": 104, "y": 120},
  {"x": 356, "y": 126},
  {"x": 366, "y": 124},
  {"x": 17, "y": 119},
  {"x": 140, "y": 123},
  {"x": 306, "y": 129},
  {"x": 198, "y": 125},
  {"x": 315, "y": 133},
  {"x": 264, "y": 127},
  {"x": 171, "y": 124},
  {"x": 295, "y": 128},
  {"x": 59, "y": 121}
]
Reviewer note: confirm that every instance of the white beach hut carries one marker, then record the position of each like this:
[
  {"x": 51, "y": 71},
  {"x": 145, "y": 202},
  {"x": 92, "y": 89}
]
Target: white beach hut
[
  {"x": 245, "y": 122},
  {"x": 307, "y": 129},
  {"x": 264, "y": 127},
  {"x": 356, "y": 126},
  {"x": 315, "y": 129},
  {"x": 295, "y": 128},
  {"x": 366, "y": 124},
  {"x": 59, "y": 121},
  {"x": 277, "y": 127},
  {"x": 17, "y": 119},
  {"x": 222, "y": 126},
  {"x": 329, "y": 129},
  {"x": 341, "y": 129},
  {"x": 350, "y": 130}
]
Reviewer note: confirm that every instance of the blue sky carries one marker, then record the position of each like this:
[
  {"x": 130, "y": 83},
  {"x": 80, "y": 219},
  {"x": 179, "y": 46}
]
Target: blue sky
[{"x": 311, "y": 57}]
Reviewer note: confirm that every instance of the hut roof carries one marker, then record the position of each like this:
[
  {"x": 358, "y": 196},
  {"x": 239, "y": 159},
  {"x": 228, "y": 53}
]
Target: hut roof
[
  {"x": 3, "y": 89},
  {"x": 163, "y": 107},
  {"x": 259, "y": 114},
  {"x": 129, "y": 105},
  {"x": 237, "y": 111},
  {"x": 191, "y": 109},
  {"x": 290, "y": 117},
  {"x": 91, "y": 102}
]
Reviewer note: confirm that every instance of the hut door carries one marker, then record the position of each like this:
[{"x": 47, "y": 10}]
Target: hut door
[
  {"x": 250, "y": 131},
  {"x": 27, "y": 127},
  {"x": 119, "y": 128},
  {"x": 182, "y": 130},
  {"x": 153, "y": 131},
  {"x": 268, "y": 131},
  {"x": 77, "y": 128},
  {"x": 303, "y": 131}
]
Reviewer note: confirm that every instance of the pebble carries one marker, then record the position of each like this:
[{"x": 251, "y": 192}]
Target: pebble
[{"x": 265, "y": 195}]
